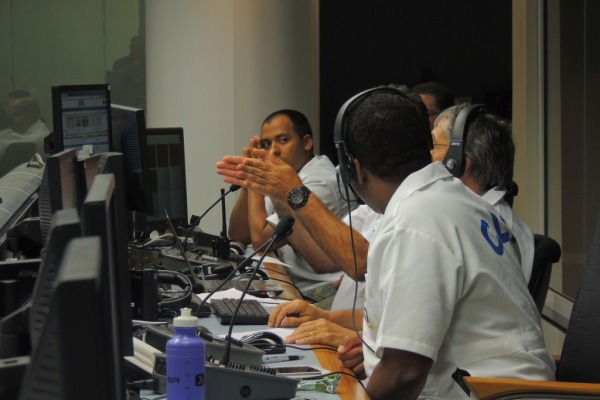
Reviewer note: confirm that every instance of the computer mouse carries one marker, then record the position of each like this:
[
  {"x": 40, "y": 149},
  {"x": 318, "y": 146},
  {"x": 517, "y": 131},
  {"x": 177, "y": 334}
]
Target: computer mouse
[{"x": 269, "y": 342}]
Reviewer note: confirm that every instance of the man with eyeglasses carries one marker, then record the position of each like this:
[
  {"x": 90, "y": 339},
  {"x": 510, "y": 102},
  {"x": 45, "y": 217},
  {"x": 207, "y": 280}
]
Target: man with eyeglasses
[{"x": 489, "y": 154}]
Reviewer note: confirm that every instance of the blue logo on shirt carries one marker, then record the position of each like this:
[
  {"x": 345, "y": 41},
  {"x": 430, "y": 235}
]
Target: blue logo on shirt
[{"x": 498, "y": 238}]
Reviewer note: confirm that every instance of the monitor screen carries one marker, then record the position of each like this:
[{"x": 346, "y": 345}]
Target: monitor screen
[
  {"x": 76, "y": 356},
  {"x": 81, "y": 116},
  {"x": 166, "y": 164},
  {"x": 129, "y": 138},
  {"x": 58, "y": 190},
  {"x": 101, "y": 215}
]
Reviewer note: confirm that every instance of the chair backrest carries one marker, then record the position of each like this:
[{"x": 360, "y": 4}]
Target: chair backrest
[
  {"x": 546, "y": 252},
  {"x": 580, "y": 357},
  {"x": 16, "y": 153}
]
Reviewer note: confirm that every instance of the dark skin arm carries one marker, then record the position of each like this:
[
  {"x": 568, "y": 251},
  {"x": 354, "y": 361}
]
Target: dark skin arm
[{"x": 398, "y": 375}]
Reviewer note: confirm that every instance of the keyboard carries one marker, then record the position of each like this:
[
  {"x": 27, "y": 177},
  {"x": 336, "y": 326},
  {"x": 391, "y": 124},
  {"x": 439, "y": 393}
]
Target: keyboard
[{"x": 251, "y": 312}]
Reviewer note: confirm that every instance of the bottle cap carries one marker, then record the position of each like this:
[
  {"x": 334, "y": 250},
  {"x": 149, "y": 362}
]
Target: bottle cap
[{"x": 185, "y": 319}]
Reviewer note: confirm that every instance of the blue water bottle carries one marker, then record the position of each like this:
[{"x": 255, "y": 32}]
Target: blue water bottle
[{"x": 185, "y": 360}]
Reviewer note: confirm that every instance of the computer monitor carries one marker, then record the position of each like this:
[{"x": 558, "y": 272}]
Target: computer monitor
[
  {"x": 58, "y": 189},
  {"x": 129, "y": 138},
  {"x": 86, "y": 171},
  {"x": 81, "y": 116},
  {"x": 166, "y": 164},
  {"x": 76, "y": 357},
  {"x": 20, "y": 330},
  {"x": 101, "y": 216}
]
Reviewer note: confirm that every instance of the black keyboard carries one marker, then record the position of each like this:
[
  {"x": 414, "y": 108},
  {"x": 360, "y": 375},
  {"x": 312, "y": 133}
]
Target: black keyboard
[
  {"x": 251, "y": 312},
  {"x": 213, "y": 284}
]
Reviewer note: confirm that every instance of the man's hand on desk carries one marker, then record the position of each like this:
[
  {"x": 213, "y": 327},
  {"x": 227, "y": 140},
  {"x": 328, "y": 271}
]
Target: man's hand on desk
[
  {"x": 350, "y": 353},
  {"x": 320, "y": 331},
  {"x": 294, "y": 314}
]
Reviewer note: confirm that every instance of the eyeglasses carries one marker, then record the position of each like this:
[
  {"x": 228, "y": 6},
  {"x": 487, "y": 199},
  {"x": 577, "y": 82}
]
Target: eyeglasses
[{"x": 440, "y": 144}]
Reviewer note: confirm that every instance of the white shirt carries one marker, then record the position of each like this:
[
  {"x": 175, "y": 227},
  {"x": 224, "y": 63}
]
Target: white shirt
[
  {"x": 520, "y": 230},
  {"x": 319, "y": 176},
  {"x": 365, "y": 221},
  {"x": 445, "y": 282}
]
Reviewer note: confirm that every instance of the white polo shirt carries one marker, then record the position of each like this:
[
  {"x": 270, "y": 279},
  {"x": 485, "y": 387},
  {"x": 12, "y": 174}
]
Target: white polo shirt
[
  {"x": 520, "y": 230},
  {"x": 365, "y": 221},
  {"x": 444, "y": 281}
]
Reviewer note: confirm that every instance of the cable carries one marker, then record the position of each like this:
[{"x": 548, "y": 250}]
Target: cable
[{"x": 355, "y": 274}]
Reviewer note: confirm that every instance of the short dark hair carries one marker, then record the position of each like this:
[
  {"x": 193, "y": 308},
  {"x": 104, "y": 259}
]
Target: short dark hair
[
  {"x": 389, "y": 135},
  {"x": 442, "y": 95},
  {"x": 300, "y": 123},
  {"x": 490, "y": 147}
]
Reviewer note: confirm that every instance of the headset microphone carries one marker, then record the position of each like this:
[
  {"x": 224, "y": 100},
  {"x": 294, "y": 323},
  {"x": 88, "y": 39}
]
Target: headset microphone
[{"x": 282, "y": 230}]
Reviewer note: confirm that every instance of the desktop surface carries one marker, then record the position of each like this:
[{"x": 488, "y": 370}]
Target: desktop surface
[{"x": 348, "y": 388}]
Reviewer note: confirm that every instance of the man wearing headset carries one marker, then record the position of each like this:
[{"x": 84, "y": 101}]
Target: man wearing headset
[
  {"x": 444, "y": 286},
  {"x": 489, "y": 154}
]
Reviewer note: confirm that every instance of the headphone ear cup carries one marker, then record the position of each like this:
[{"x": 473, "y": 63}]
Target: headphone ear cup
[{"x": 454, "y": 159}]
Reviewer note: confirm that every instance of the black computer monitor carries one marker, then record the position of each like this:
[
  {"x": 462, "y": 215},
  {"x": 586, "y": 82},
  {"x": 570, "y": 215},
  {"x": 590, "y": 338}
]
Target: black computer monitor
[
  {"x": 58, "y": 189},
  {"x": 76, "y": 356},
  {"x": 166, "y": 163},
  {"x": 129, "y": 138},
  {"x": 64, "y": 227},
  {"x": 81, "y": 116},
  {"x": 86, "y": 171},
  {"x": 101, "y": 216}
]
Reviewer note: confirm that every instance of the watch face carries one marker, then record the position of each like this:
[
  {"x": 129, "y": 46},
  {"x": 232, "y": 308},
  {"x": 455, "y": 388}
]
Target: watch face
[{"x": 297, "y": 197}]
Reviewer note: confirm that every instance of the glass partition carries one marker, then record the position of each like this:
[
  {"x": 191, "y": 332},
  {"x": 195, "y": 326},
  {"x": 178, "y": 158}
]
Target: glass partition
[{"x": 63, "y": 42}]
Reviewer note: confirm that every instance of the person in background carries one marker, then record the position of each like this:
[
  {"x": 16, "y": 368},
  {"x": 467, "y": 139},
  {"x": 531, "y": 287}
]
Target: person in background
[
  {"x": 489, "y": 160},
  {"x": 436, "y": 97},
  {"x": 27, "y": 124},
  {"x": 14, "y": 95},
  {"x": 286, "y": 140}
]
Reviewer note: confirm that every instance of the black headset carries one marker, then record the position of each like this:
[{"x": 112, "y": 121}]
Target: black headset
[
  {"x": 178, "y": 300},
  {"x": 345, "y": 159},
  {"x": 454, "y": 160}
]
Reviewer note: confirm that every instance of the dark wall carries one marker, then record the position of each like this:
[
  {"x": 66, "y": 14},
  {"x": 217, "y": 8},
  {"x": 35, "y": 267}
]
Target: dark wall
[{"x": 465, "y": 45}]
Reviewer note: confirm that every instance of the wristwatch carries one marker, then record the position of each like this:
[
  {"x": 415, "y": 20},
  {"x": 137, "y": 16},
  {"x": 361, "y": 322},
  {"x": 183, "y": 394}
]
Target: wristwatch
[{"x": 298, "y": 196}]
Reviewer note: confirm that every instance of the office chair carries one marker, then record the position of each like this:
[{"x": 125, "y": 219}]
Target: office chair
[
  {"x": 578, "y": 369},
  {"x": 546, "y": 252},
  {"x": 16, "y": 153}
]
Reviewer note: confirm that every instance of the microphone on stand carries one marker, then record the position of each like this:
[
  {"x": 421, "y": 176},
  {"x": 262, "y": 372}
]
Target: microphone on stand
[
  {"x": 282, "y": 230},
  {"x": 196, "y": 220}
]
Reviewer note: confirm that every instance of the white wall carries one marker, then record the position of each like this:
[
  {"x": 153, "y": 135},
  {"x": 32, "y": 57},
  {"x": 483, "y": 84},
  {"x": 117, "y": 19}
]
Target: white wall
[{"x": 217, "y": 68}]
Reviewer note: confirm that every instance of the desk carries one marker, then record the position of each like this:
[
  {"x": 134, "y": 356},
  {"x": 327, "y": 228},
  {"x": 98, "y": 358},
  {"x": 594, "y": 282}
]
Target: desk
[{"x": 348, "y": 388}]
